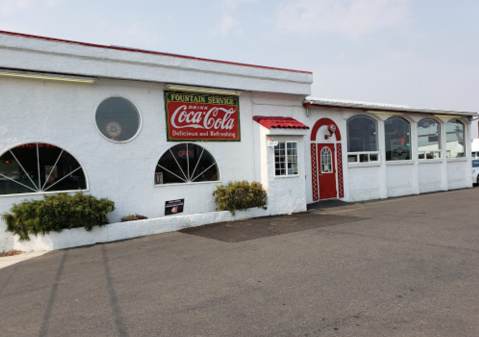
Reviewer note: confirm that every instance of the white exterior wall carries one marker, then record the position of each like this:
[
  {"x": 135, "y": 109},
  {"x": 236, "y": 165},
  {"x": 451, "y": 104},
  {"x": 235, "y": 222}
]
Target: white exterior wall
[
  {"x": 63, "y": 114},
  {"x": 287, "y": 193}
]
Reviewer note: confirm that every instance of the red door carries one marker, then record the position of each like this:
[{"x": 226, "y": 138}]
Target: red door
[{"x": 327, "y": 172}]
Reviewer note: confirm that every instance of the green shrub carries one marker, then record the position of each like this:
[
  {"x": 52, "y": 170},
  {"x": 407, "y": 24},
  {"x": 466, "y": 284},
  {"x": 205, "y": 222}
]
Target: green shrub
[
  {"x": 56, "y": 213},
  {"x": 239, "y": 195},
  {"x": 132, "y": 217}
]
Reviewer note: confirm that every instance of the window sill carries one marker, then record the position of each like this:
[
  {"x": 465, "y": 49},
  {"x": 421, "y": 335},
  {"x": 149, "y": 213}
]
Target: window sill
[
  {"x": 430, "y": 161},
  {"x": 456, "y": 160},
  {"x": 188, "y": 183},
  {"x": 288, "y": 176},
  {"x": 30, "y": 194},
  {"x": 369, "y": 164},
  {"x": 400, "y": 162}
]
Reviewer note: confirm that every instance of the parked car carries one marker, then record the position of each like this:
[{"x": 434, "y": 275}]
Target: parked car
[{"x": 475, "y": 171}]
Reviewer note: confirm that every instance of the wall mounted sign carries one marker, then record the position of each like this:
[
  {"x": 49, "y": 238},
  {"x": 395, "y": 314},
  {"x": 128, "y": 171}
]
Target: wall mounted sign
[
  {"x": 202, "y": 117},
  {"x": 174, "y": 206}
]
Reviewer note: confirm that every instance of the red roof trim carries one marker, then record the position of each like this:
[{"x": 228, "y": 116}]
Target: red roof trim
[
  {"x": 151, "y": 52},
  {"x": 279, "y": 122}
]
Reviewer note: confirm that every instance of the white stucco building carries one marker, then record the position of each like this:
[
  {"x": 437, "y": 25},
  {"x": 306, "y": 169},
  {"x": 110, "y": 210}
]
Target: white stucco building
[{"x": 152, "y": 130}]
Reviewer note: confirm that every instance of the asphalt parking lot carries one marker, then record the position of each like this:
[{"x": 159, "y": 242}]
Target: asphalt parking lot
[{"x": 401, "y": 267}]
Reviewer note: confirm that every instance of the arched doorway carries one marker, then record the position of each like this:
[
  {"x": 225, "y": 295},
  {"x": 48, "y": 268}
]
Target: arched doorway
[{"x": 326, "y": 160}]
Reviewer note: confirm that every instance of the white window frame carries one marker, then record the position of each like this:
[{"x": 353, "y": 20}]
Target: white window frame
[
  {"x": 368, "y": 153},
  {"x": 436, "y": 155},
  {"x": 286, "y": 159}
]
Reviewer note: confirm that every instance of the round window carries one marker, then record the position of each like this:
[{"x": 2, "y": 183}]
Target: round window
[{"x": 118, "y": 119}]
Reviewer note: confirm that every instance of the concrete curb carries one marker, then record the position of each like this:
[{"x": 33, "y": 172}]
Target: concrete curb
[{"x": 10, "y": 260}]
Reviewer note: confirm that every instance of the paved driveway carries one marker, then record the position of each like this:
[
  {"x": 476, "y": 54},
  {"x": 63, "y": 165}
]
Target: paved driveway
[{"x": 403, "y": 267}]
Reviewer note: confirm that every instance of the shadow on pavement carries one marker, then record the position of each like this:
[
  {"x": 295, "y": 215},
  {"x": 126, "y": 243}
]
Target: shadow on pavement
[{"x": 251, "y": 229}]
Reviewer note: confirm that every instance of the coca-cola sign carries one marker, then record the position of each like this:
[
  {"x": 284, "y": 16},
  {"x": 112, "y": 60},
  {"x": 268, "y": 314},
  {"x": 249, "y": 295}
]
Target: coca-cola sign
[{"x": 202, "y": 117}]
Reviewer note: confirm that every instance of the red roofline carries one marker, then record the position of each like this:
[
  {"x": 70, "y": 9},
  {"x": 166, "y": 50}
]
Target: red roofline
[
  {"x": 150, "y": 52},
  {"x": 279, "y": 122}
]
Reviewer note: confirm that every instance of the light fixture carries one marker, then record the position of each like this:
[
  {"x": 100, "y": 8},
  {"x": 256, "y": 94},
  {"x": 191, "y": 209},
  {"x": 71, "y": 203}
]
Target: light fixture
[
  {"x": 385, "y": 112},
  {"x": 448, "y": 116},
  {"x": 46, "y": 76},
  {"x": 202, "y": 90}
]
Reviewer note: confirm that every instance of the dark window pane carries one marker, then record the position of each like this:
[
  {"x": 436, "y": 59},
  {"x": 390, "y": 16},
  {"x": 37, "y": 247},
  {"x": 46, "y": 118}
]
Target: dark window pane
[
  {"x": 186, "y": 163},
  {"x": 363, "y": 158},
  {"x": 117, "y": 119},
  {"x": 162, "y": 176},
  {"x": 362, "y": 134},
  {"x": 39, "y": 167},
  {"x": 205, "y": 163},
  {"x": 210, "y": 174},
  {"x": 66, "y": 175},
  {"x": 397, "y": 139},
  {"x": 26, "y": 155},
  {"x": 11, "y": 170}
]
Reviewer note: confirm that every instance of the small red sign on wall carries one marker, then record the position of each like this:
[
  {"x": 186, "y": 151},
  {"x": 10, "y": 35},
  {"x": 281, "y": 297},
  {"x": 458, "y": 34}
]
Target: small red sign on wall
[{"x": 202, "y": 117}]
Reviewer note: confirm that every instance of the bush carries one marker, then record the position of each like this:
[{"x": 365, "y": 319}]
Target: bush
[
  {"x": 239, "y": 195},
  {"x": 132, "y": 217},
  {"x": 56, "y": 213}
]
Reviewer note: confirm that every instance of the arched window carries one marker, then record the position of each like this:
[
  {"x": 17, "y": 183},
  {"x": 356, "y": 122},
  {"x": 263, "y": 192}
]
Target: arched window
[
  {"x": 39, "y": 167},
  {"x": 455, "y": 146},
  {"x": 429, "y": 139},
  {"x": 362, "y": 139},
  {"x": 118, "y": 119},
  {"x": 186, "y": 163},
  {"x": 326, "y": 160},
  {"x": 397, "y": 132}
]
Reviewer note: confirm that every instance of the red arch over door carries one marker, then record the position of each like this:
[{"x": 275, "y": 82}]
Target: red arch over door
[
  {"x": 315, "y": 169},
  {"x": 320, "y": 123}
]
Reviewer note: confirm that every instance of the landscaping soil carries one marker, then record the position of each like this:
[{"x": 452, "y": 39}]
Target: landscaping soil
[{"x": 11, "y": 253}]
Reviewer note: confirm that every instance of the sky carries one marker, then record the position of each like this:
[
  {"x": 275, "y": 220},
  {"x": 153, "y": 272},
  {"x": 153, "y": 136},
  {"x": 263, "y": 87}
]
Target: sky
[{"x": 420, "y": 53}]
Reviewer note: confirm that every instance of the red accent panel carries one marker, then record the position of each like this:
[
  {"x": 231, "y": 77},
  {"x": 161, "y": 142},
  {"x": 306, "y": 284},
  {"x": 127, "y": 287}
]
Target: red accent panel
[
  {"x": 320, "y": 123},
  {"x": 314, "y": 169},
  {"x": 149, "y": 52},
  {"x": 340, "y": 171},
  {"x": 279, "y": 122}
]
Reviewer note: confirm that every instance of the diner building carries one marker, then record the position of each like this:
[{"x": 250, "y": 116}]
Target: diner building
[{"x": 156, "y": 133}]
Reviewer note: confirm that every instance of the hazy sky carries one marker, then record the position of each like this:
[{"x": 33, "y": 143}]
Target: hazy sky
[{"x": 422, "y": 53}]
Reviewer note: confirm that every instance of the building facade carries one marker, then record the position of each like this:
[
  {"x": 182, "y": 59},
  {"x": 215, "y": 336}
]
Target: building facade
[{"x": 156, "y": 133}]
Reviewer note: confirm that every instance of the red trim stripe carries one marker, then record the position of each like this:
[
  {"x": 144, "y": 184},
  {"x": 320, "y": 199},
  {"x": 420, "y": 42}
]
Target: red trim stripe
[{"x": 150, "y": 52}]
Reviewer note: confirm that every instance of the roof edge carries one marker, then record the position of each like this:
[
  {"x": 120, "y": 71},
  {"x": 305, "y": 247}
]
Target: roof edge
[
  {"x": 378, "y": 107},
  {"x": 135, "y": 50}
]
